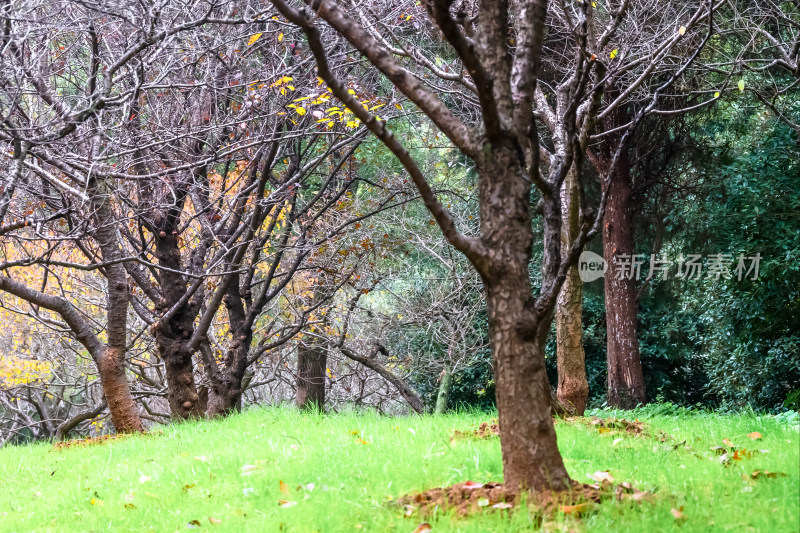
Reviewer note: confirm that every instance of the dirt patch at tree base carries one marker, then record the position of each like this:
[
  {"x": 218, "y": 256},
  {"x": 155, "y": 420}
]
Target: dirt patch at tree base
[{"x": 471, "y": 497}]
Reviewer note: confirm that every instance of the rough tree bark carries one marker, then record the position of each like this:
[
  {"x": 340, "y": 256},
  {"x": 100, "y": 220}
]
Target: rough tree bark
[
  {"x": 312, "y": 360},
  {"x": 517, "y": 329},
  {"x": 573, "y": 389},
  {"x": 625, "y": 377},
  {"x": 171, "y": 334},
  {"x": 111, "y": 364}
]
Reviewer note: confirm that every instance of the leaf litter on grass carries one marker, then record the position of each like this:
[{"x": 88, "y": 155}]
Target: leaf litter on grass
[
  {"x": 471, "y": 497},
  {"x": 486, "y": 430}
]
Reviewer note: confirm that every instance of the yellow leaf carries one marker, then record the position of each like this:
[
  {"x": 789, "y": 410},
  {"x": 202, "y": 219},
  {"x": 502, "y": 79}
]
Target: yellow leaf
[
  {"x": 280, "y": 37},
  {"x": 254, "y": 38},
  {"x": 301, "y": 110},
  {"x": 613, "y": 53},
  {"x": 682, "y": 30}
]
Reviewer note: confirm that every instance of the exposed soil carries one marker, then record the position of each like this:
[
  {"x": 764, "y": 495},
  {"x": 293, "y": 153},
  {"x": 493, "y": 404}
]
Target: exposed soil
[{"x": 471, "y": 497}]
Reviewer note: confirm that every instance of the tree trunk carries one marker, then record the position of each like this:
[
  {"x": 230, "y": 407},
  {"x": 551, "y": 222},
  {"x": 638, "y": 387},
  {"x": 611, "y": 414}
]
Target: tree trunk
[
  {"x": 227, "y": 381},
  {"x": 625, "y": 378},
  {"x": 111, "y": 364},
  {"x": 312, "y": 361},
  {"x": 517, "y": 329},
  {"x": 225, "y": 397},
  {"x": 171, "y": 335},
  {"x": 445, "y": 384},
  {"x": 573, "y": 389},
  {"x": 531, "y": 459},
  {"x": 184, "y": 401},
  {"x": 124, "y": 413}
]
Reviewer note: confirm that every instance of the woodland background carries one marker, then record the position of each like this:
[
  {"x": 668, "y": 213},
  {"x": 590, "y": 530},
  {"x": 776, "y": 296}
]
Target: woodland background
[{"x": 187, "y": 211}]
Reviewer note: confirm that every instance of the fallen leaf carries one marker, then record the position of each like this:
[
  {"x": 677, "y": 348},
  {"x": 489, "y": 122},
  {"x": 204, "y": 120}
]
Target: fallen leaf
[
  {"x": 754, "y": 435},
  {"x": 423, "y": 528},
  {"x": 215, "y": 521},
  {"x": 283, "y": 486},
  {"x": 130, "y": 506},
  {"x": 483, "y": 502},
  {"x": 254, "y": 38},
  {"x": 616, "y": 441},
  {"x": 193, "y": 524},
  {"x": 728, "y": 443},
  {"x": 503, "y": 505},
  {"x": 144, "y": 479},
  {"x": 764, "y": 473},
  {"x": 286, "y": 503},
  {"x": 472, "y": 485},
  {"x": 577, "y": 510},
  {"x": 678, "y": 513},
  {"x": 682, "y": 30},
  {"x": 602, "y": 475}
]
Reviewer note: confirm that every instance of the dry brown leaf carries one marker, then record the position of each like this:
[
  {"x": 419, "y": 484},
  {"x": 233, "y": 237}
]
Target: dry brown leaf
[
  {"x": 215, "y": 521},
  {"x": 423, "y": 528},
  {"x": 283, "y": 486},
  {"x": 764, "y": 473},
  {"x": 577, "y": 510},
  {"x": 754, "y": 435},
  {"x": 472, "y": 485}
]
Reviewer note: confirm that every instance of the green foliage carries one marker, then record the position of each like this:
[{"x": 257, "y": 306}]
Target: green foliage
[{"x": 731, "y": 343}]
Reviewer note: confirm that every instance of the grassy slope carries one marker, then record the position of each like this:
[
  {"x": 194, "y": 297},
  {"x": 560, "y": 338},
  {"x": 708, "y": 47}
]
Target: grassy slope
[{"x": 42, "y": 489}]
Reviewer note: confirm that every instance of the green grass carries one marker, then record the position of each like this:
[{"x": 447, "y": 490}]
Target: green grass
[{"x": 193, "y": 471}]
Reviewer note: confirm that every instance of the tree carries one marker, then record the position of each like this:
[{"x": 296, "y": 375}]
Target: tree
[
  {"x": 505, "y": 150},
  {"x": 55, "y": 91}
]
